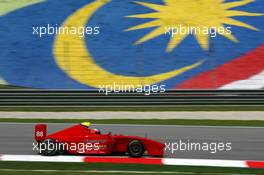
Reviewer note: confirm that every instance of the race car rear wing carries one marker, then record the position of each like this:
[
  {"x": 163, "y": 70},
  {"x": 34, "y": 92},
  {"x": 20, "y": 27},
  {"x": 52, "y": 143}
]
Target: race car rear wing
[{"x": 40, "y": 132}]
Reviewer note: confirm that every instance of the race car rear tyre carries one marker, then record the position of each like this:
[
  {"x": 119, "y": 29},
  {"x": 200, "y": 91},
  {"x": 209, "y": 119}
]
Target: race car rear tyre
[
  {"x": 48, "y": 147},
  {"x": 136, "y": 148}
]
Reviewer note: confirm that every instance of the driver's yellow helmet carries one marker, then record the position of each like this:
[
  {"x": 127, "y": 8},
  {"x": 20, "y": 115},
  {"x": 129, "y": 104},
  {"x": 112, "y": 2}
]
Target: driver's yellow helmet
[{"x": 86, "y": 124}]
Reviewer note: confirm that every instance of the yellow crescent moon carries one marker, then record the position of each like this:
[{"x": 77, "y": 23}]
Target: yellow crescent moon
[{"x": 75, "y": 60}]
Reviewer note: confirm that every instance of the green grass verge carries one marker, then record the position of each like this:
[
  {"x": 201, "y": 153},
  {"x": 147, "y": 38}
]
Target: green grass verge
[
  {"x": 12, "y": 5},
  {"x": 253, "y": 123},
  {"x": 65, "y": 173},
  {"x": 118, "y": 167},
  {"x": 9, "y": 87},
  {"x": 136, "y": 109}
]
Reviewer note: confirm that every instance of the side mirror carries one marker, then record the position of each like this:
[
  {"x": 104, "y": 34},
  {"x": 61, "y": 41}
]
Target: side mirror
[{"x": 109, "y": 133}]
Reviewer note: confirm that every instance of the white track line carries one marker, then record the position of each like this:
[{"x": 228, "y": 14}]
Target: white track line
[
  {"x": 212, "y": 115},
  {"x": 205, "y": 162},
  {"x": 163, "y": 161},
  {"x": 38, "y": 158}
]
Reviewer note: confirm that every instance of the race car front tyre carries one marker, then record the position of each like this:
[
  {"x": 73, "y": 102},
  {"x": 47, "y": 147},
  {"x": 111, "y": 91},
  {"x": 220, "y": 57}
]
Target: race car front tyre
[
  {"x": 48, "y": 148},
  {"x": 136, "y": 148}
]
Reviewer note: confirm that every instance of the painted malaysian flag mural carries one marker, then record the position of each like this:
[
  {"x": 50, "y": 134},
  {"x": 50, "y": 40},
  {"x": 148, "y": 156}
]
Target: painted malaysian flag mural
[{"x": 86, "y": 44}]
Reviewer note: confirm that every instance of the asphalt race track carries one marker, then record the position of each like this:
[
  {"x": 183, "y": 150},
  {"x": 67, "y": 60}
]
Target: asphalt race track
[{"x": 247, "y": 143}]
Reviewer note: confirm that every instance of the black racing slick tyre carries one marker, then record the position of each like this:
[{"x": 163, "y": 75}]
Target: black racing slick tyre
[
  {"x": 136, "y": 148},
  {"x": 48, "y": 147}
]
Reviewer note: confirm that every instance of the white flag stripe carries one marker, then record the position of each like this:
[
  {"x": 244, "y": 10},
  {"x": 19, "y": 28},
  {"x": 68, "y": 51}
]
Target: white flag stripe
[{"x": 254, "y": 82}]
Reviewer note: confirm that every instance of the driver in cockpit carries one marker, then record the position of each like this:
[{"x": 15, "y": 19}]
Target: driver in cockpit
[{"x": 94, "y": 131}]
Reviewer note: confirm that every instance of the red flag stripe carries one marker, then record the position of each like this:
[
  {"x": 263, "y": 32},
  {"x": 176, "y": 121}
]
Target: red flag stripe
[{"x": 240, "y": 68}]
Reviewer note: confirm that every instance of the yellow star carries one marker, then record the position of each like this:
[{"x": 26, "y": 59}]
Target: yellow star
[{"x": 189, "y": 13}]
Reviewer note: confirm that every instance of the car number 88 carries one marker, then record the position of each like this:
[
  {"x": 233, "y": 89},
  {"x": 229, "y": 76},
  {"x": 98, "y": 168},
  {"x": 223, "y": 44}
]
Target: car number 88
[{"x": 39, "y": 133}]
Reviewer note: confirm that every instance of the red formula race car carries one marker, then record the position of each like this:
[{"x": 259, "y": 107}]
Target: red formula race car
[{"x": 81, "y": 139}]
